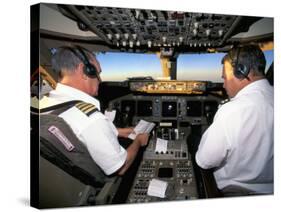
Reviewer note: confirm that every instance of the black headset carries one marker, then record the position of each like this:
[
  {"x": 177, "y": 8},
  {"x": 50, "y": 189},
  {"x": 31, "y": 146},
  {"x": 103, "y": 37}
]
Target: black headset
[
  {"x": 240, "y": 71},
  {"x": 89, "y": 69}
]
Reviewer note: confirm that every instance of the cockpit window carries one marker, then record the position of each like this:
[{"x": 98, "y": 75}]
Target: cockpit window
[
  {"x": 120, "y": 66},
  {"x": 207, "y": 66},
  {"x": 200, "y": 67},
  {"x": 269, "y": 58}
]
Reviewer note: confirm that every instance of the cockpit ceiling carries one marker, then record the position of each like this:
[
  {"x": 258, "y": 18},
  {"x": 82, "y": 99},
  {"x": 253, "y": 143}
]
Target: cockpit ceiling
[{"x": 155, "y": 30}]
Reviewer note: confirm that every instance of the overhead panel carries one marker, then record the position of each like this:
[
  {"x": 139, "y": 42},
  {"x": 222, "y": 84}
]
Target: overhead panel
[{"x": 157, "y": 30}]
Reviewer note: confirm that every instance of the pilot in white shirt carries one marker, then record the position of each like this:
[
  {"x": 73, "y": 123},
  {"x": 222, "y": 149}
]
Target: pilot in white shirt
[
  {"x": 239, "y": 143},
  {"x": 80, "y": 78},
  {"x": 97, "y": 132}
]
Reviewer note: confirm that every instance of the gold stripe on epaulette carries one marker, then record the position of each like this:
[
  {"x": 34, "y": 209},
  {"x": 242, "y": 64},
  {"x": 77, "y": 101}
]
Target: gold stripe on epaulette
[
  {"x": 82, "y": 106},
  {"x": 87, "y": 107},
  {"x": 90, "y": 109},
  {"x": 79, "y": 104}
]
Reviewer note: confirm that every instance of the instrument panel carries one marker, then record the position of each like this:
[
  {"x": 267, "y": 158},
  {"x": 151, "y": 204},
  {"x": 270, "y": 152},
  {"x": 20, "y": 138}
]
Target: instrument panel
[
  {"x": 176, "y": 117},
  {"x": 176, "y": 110}
]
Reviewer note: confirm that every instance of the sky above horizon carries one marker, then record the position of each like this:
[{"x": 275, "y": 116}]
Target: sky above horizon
[{"x": 120, "y": 66}]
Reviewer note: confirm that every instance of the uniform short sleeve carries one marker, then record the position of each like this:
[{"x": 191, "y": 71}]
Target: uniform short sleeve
[
  {"x": 214, "y": 145},
  {"x": 101, "y": 140}
]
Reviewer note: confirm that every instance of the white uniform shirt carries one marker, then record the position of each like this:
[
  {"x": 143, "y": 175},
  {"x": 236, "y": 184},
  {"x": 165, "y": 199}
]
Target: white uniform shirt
[
  {"x": 97, "y": 133},
  {"x": 239, "y": 143}
]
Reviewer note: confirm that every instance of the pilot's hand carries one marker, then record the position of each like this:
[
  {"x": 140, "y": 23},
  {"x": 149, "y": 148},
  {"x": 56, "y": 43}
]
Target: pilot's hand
[
  {"x": 125, "y": 132},
  {"x": 143, "y": 139}
]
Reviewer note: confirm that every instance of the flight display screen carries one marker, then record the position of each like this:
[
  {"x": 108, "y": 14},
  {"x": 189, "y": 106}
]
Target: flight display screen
[
  {"x": 144, "y": 108},
  {"x": 128, "y": 106},
  {"x": 165, "y": 172},
  {"x": 193, "y": 108},
  {"x": 169, "y": 109}
]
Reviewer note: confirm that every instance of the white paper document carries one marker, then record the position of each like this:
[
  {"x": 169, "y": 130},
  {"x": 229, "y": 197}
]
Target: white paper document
[
  {"x": 161, "y": 145},
  {"x": 110, "y": 114},
  {"x": 157, "y": 188},
  {"x": 142, "y": 127}
]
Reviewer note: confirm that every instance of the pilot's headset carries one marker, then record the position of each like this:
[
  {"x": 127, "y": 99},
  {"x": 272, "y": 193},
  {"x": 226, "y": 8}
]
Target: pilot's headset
[
  {"x": 89, "y": 69},
  {"x": 241, "y": 69}
]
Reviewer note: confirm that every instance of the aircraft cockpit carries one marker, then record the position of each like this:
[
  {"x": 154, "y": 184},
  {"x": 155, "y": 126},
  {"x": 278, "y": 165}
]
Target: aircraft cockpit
[{"x": 160, "y": 67}]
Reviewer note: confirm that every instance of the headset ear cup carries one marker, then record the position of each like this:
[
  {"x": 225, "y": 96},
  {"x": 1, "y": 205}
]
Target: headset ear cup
[
  {"x": 236, "y": 72},
  {"x": 90, "y": 70},
  {"x": 86, "y": 71},
  {"x": 241, "y": 71}
]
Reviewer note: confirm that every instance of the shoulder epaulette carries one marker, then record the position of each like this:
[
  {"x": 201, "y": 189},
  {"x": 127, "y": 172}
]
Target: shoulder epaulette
[
  {"x": 223, "y": 102},
  {"x": 86, "y": 108}
]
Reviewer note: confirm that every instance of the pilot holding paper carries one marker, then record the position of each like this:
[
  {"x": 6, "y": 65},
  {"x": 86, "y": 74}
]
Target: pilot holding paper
[{"x": 79, "y": 72}]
